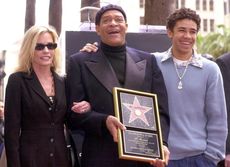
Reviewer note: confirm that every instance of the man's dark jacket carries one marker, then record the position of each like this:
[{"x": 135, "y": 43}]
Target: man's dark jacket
[
  {"x": 224, "y": 64},
  {"x": 90, "y": 77}
]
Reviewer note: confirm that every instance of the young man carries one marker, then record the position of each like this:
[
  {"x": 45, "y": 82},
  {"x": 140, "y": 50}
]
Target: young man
[
  {"x": 197, "y": 108},
  {"x": 92, "y": 76},
  {"x": 224, "y": 64},
  {"x": 198, "y": 124}
]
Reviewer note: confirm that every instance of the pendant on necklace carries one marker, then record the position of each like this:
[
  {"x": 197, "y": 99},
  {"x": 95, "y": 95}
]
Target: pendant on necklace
[{"x": 180, "y": 85}]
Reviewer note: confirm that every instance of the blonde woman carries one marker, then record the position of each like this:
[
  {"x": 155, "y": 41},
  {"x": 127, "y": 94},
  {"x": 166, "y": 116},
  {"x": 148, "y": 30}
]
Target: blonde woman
[{"x": 35, "y": 104}]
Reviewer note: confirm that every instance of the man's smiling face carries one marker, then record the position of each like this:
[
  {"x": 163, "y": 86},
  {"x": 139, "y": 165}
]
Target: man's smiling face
[{"x": 112, "y": 28}]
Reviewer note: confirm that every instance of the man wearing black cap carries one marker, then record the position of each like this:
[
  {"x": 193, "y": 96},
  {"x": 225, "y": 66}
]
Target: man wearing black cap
[{"x": 92, "y": 76}]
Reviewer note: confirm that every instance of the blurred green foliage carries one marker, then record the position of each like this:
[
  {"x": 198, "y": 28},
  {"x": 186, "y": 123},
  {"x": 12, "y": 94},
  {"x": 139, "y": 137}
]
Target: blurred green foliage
[{"x": 214, "y": 43}]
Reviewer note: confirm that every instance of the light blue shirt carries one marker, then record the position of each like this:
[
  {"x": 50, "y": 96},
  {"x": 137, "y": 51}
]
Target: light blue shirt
[{"x": 198, "y": 119}]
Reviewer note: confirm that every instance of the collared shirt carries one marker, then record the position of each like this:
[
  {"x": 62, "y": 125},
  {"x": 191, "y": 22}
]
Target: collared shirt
[
  {"x": 197, "y": 109},
  {"x": 196, "y": 59}
]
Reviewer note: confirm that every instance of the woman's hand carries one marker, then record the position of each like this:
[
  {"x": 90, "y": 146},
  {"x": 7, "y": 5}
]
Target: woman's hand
[{"x": 81, "y": 107}]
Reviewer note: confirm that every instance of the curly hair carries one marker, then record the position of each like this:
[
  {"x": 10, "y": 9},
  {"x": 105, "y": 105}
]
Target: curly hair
[{"x": 182, "y": 13}]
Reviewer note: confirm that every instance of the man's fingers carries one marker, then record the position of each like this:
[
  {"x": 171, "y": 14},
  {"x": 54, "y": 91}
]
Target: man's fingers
[
  {"x": 95, "y": 43},
  {"x": 86, "y": 49},
  {"x": 166, "y": 154},
  {"x": 113, "y": 124},
  {"x": 114, "y": 134},
  {"x": 121, "y": 126},
  {"x": 157, "y": 162},
  {"x": 90, "y": 47}
]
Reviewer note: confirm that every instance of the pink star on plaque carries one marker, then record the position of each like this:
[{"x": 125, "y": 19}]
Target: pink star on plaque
[{"x": 137, "y": 111}]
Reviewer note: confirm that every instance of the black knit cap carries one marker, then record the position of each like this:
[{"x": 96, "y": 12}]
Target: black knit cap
[{"x": 107, "y": 8}]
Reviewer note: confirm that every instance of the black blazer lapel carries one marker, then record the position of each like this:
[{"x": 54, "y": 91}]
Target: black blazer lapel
[
  {"x": 34, "y": 83},
  {"x": 103, "y": 71},
  {"x": 134, "y": 69}
]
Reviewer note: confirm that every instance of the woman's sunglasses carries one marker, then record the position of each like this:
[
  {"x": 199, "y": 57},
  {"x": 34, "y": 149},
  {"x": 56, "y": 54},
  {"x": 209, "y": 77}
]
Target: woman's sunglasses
[{"x": 50, "y": 46}]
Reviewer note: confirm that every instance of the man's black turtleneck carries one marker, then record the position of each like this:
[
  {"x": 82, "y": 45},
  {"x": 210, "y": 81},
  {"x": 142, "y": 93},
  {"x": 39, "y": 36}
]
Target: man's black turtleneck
[{"x": 117, "y": 58}]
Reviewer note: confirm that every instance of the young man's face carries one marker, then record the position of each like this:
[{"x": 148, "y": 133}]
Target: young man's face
[
  {"x": 183, "y": 36},
  {"x": 112, "y": 28}
]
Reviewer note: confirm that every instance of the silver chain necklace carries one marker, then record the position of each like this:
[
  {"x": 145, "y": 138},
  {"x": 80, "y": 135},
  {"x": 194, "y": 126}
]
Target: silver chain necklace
[{"x": 180, "y": 84}]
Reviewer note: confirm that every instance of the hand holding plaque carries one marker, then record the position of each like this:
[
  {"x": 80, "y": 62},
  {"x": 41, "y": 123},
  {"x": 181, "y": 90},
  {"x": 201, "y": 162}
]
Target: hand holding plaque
[{"x": 138, "y": 111}]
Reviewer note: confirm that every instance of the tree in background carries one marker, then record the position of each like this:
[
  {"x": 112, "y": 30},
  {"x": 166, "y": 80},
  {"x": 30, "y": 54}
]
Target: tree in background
[
  {"x": 156, "y": 11},
  {"x": 2, "y": 65},
  {"x": 215, "y": 43},
  {"x": 88, "y": 14},
  {"x": 30, "y": 14},
  {"x": 55, "y": 14}
]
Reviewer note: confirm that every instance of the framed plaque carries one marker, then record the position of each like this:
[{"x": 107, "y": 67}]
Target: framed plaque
[{"x": 138, "y": 111}]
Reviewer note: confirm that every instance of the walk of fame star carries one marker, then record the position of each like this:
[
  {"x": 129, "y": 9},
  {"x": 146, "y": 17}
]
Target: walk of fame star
[{"x": 137, "y": 111}]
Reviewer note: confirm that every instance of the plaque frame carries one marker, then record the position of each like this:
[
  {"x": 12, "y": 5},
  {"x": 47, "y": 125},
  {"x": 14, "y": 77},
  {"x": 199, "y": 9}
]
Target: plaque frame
[{"x": 142, "y": 139}]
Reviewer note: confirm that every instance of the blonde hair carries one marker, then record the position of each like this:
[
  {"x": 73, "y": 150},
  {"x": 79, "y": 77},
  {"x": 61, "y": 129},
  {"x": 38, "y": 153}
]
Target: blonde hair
[{"x": 26, "y": 53}]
